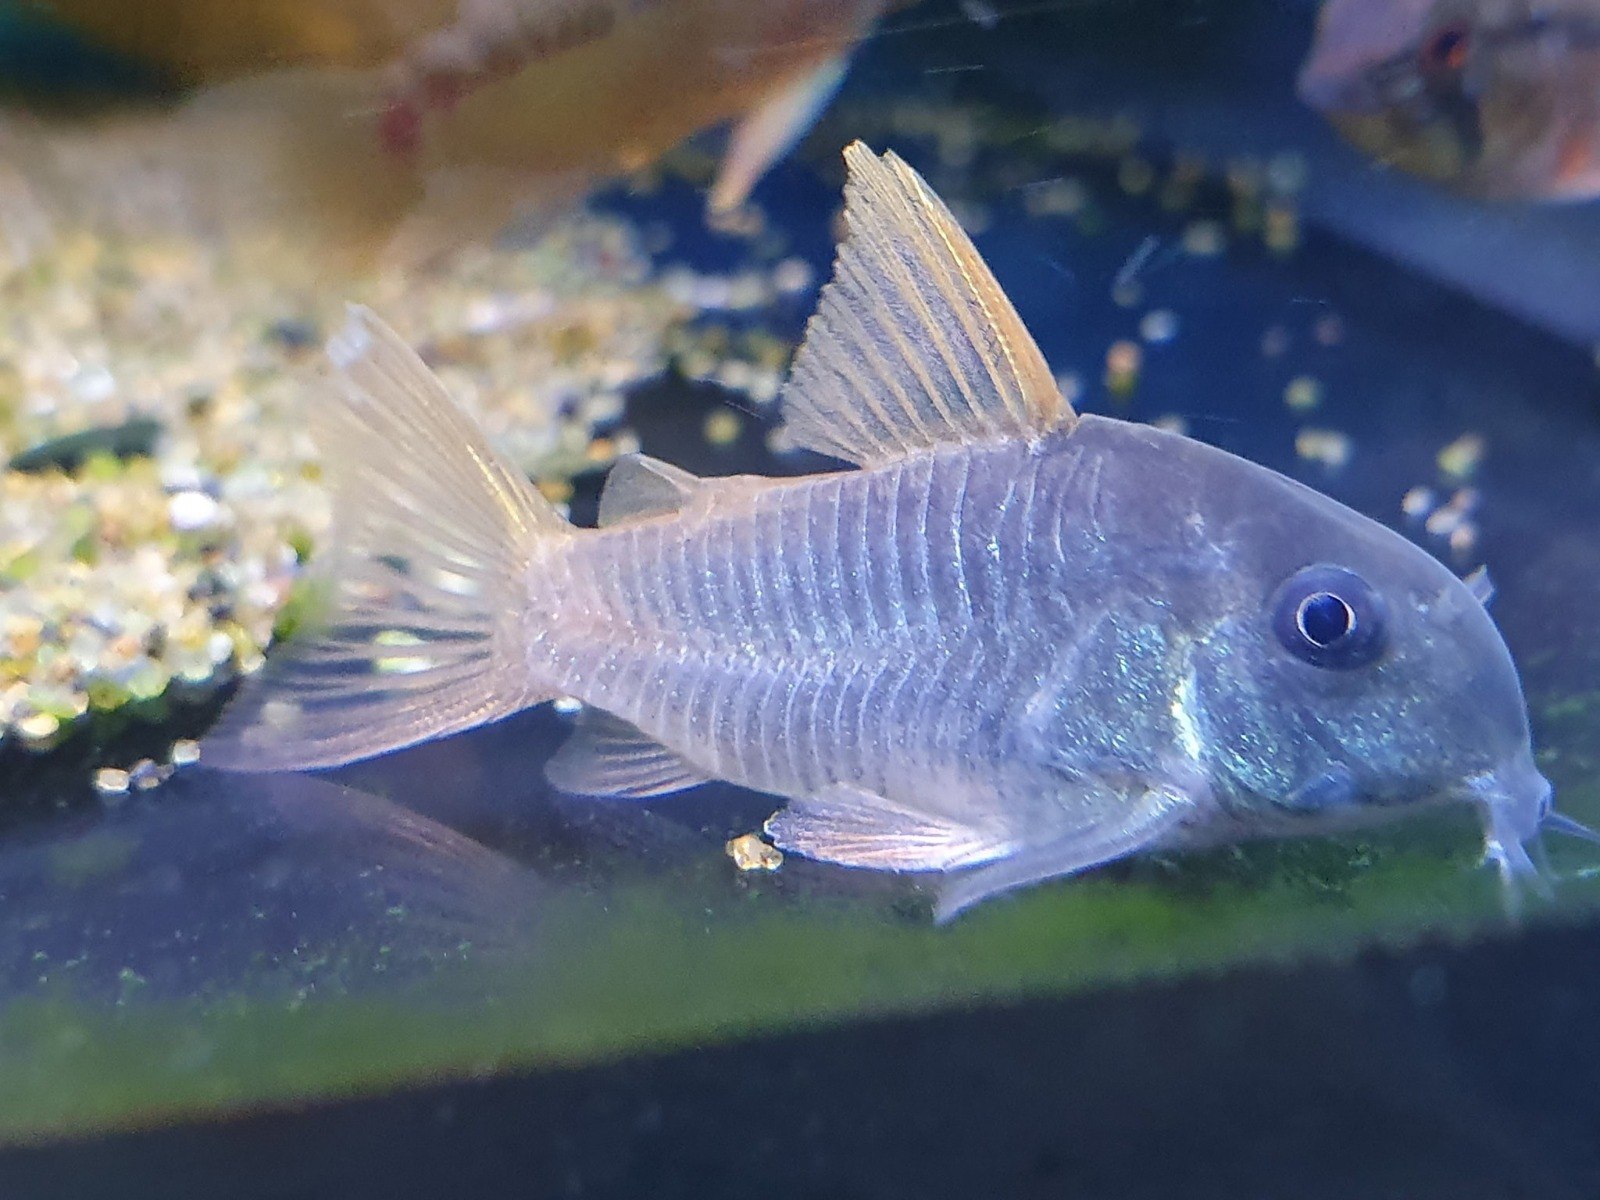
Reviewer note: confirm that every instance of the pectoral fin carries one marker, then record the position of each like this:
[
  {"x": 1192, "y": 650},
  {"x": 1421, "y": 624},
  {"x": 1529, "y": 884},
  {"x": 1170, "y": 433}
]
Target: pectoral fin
[{"x": 1142, "y": 823}]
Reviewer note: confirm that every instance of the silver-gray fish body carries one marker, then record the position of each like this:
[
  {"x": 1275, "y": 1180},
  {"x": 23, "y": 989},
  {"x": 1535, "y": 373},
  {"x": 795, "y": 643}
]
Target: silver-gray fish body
[{"x": 971, "y": 630}]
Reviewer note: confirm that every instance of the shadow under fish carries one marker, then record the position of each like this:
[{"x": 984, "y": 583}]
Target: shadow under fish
[
  {"x": 1014, "y": 644},
  {"x": 270, "y": 886}
]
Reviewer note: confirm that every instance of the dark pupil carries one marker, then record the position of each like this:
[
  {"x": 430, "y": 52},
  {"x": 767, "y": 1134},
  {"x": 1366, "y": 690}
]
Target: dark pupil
[{"x": 1324, "y": 618}]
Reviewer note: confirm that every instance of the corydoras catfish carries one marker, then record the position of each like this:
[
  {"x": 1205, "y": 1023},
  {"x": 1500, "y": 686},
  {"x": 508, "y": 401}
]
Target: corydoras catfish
[
  {"x": 349, "y": 131},
  {"x": 1496, "y": 97},
  {"x": 1013, "y": 644}
]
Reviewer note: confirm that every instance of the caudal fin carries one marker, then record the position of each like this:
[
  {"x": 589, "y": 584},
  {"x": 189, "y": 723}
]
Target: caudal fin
[{"x": 418, "y": 601}]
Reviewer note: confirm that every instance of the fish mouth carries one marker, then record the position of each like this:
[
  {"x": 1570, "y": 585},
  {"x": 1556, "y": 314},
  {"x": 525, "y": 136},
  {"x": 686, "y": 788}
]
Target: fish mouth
[{"x": 1516, "y": 803}]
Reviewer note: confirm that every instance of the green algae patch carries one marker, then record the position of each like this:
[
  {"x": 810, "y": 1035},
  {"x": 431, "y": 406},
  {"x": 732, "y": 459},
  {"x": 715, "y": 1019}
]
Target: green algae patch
[{"x": 658, "y": 966}]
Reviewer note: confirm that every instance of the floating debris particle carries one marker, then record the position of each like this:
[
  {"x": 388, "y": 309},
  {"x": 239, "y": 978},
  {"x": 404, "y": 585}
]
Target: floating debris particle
[
  {"x": 1460, "y": 459},
  {"x": 1159, "y": 325},
  {"x": 723, "y": 427},
  {"x": 1326, "y": 446},
  {"x": 111, "y": 781},
  {"x": 1418, "y": 502},
  {"x": 184, "y": 752},
  {"x": 1123, "y": 361},
  {"x": 750, "y": 853},
  {"x": 1127, "y": 293},
  {"x": 1303, "y": 393}
]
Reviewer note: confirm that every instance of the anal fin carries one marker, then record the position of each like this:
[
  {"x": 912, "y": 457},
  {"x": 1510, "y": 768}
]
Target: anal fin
[
  {"x": 606, "y": 756},
  {"x": 853, "y": 827}
]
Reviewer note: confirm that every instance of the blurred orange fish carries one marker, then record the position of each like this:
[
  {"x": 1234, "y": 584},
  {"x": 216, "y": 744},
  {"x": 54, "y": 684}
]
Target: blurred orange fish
[
  {"x": 402, "y": 129},
  {"x": 1500, "y": 98}
]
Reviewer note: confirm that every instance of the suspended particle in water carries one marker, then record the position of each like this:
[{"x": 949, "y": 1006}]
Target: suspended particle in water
[
  {"x": 184, "y": 752},
  {"x": 1275, "y": 342}
]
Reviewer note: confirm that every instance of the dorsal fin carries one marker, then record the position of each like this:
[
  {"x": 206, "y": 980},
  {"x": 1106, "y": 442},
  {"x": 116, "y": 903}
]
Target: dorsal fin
[
  {"x": 640, "y": 486},
  {"x": 913, "y": 343}
]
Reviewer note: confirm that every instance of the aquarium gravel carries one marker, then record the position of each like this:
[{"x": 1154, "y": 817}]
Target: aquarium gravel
[{"x": 160, "y": 490}]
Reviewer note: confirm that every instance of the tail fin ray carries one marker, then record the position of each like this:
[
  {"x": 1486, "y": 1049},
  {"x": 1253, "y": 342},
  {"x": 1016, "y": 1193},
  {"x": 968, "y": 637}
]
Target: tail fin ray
[{"x": 417, "y": 606}]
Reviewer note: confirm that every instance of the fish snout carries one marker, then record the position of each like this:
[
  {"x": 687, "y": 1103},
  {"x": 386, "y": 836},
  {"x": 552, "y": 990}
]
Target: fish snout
[{"x": 1514, "y": 797}]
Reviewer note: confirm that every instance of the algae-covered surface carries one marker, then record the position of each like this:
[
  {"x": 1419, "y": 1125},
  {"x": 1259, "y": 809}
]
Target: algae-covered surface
[{"x": 223, "y": 943}]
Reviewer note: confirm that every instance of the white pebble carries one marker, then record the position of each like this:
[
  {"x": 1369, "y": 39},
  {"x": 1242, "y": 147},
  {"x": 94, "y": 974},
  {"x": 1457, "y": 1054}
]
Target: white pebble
[
  {"x": 189, "y": 511},
  {"x": 111, "y": 781}
]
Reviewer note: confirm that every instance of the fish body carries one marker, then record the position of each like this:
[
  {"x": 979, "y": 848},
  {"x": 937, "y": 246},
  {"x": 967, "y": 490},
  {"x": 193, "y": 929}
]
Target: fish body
[
  {"x": 1013, "y": 643},
  {"x": 1499, "y": 98},
  {"x": 368, "y": 133}
]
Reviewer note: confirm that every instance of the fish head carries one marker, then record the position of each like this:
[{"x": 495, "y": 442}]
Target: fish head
[
  {"x": 1484, "y": 95},
  {"x": 1349, "y": 675}
]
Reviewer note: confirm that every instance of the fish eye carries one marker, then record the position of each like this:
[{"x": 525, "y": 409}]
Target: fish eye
[
  {"x": 1330, "y": 617},
  {"x": 1446, "y": 48}
]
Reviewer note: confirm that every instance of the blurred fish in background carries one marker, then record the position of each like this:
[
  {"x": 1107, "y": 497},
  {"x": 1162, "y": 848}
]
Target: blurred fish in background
[
  {"x": 1498, "y": 98},
  {"x": 393, "y": 130}
]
